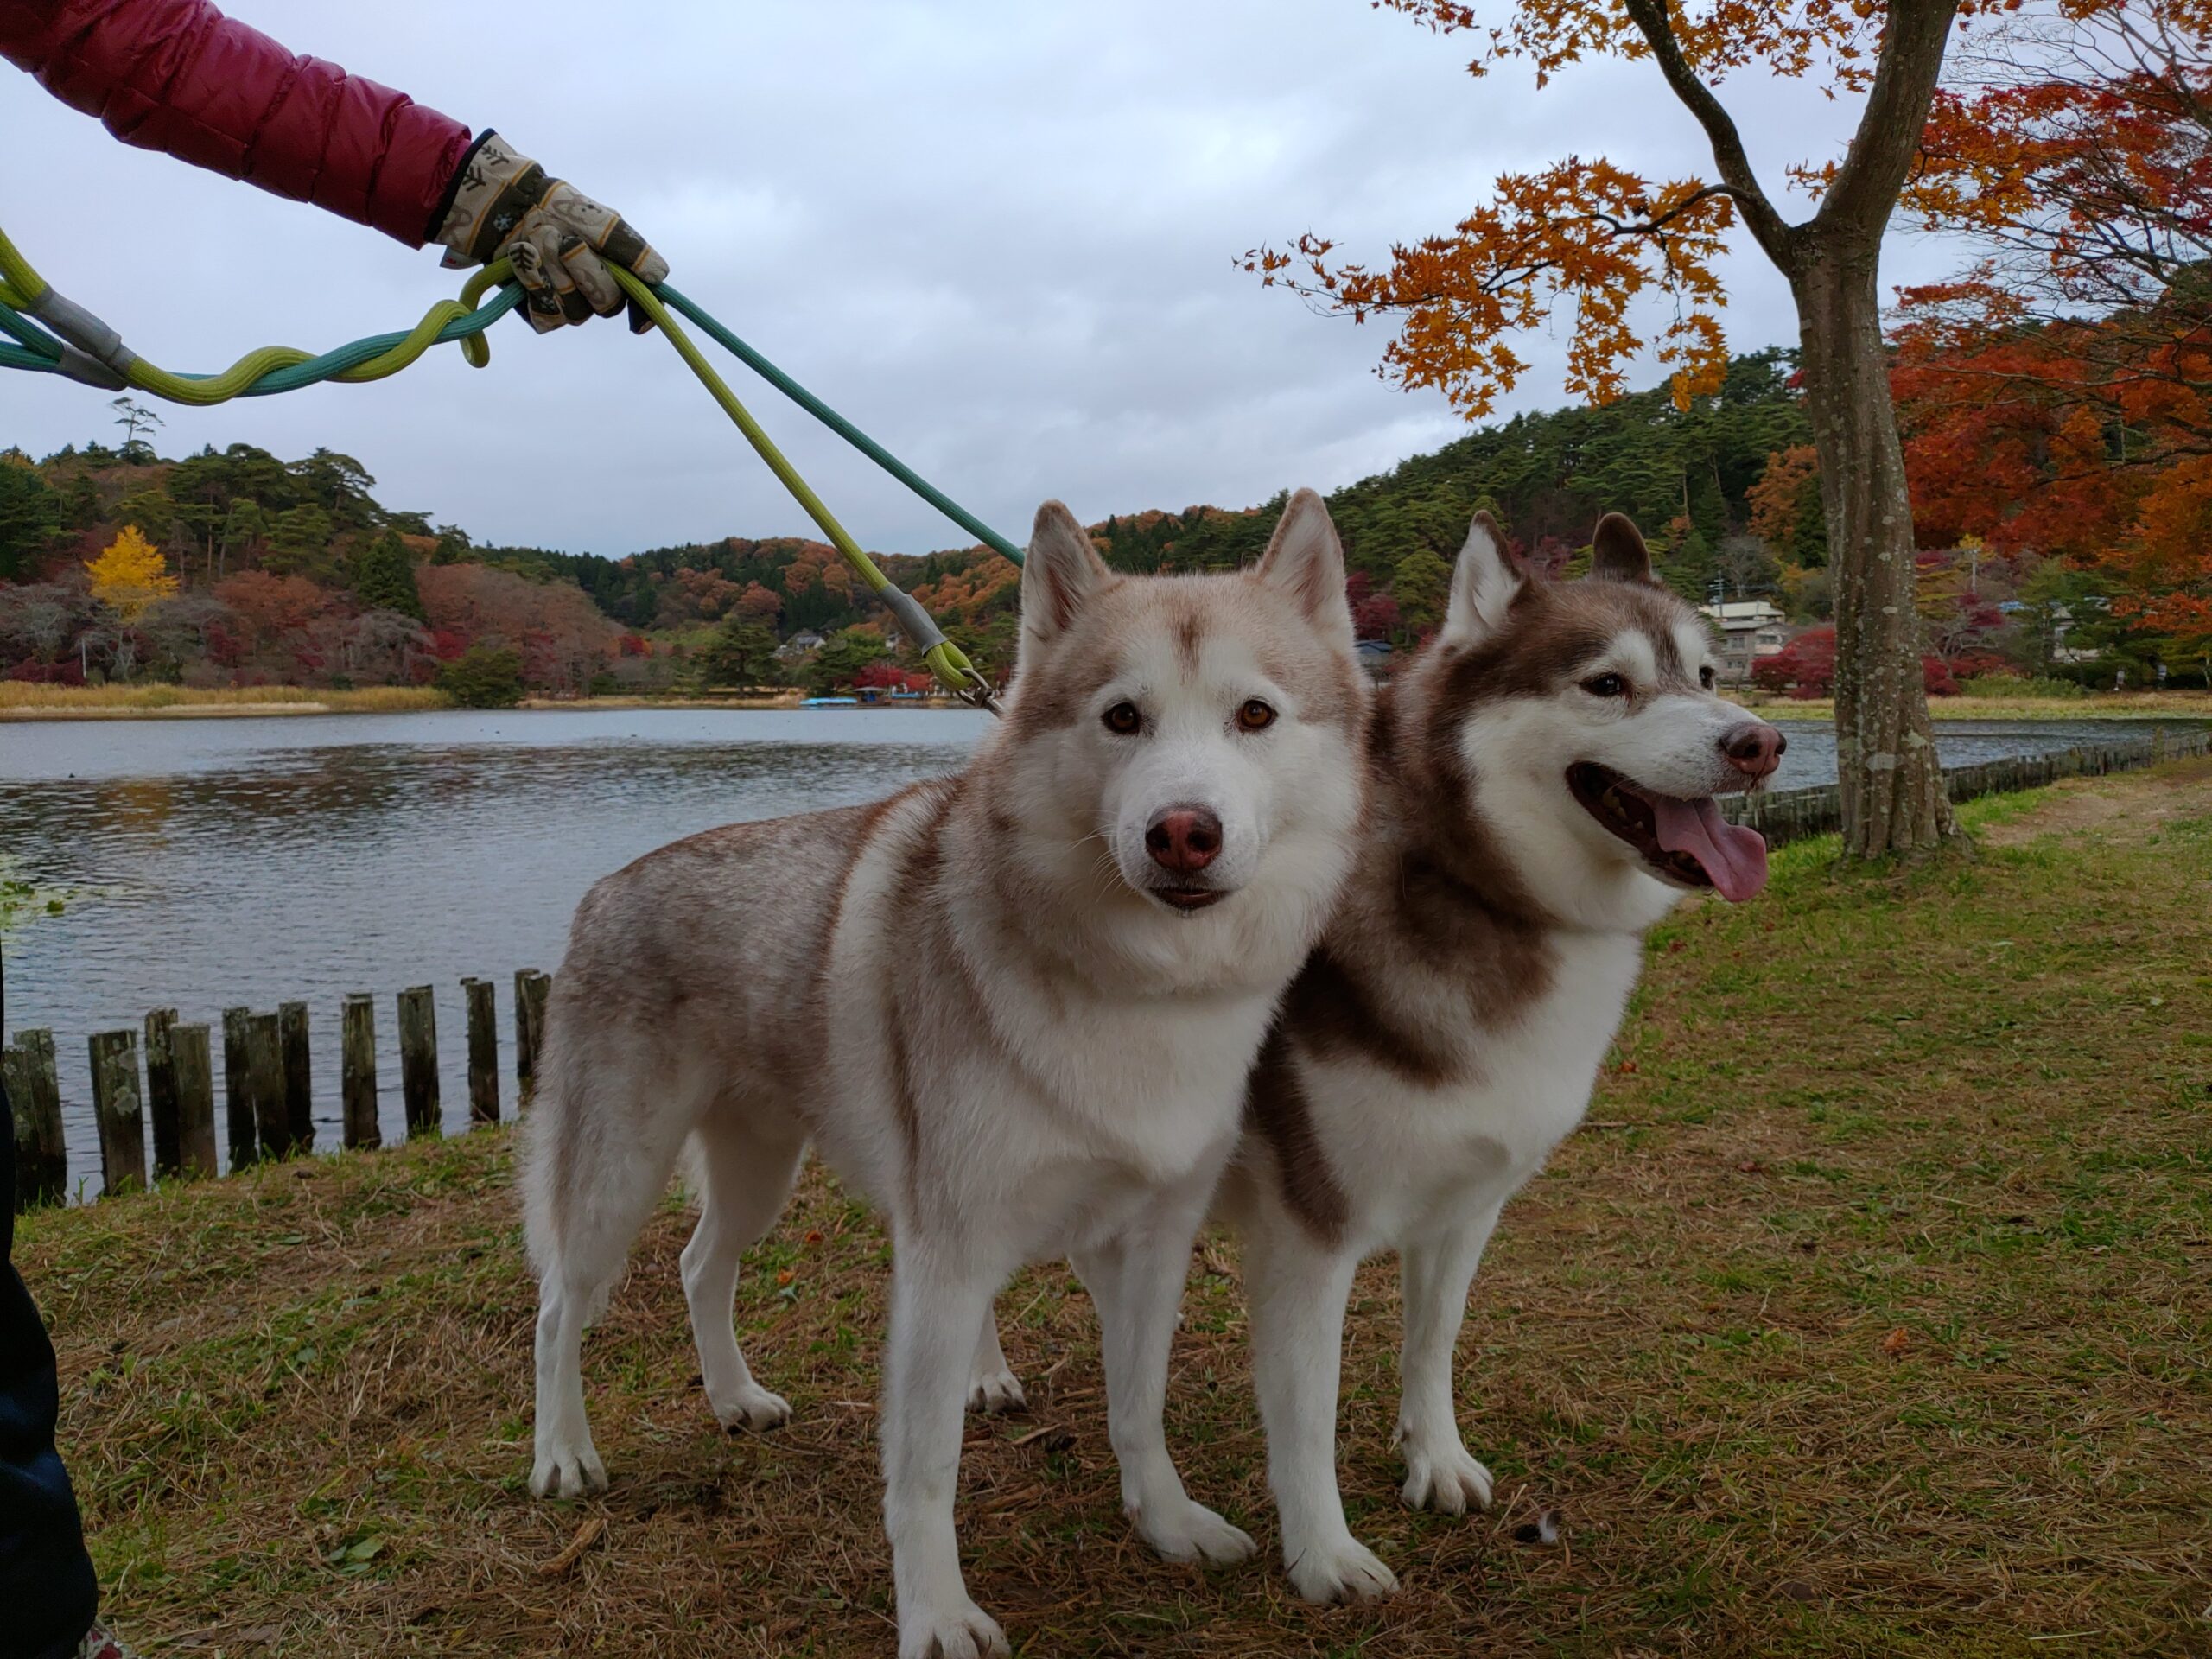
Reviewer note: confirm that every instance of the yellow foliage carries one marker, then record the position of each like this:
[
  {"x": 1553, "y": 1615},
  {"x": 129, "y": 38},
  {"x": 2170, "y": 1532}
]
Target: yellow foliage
[{"x": 130, "y": 574}]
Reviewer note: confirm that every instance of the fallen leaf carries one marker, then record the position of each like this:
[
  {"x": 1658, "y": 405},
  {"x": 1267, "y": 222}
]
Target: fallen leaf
[{"x": 1896, "y": 1341}]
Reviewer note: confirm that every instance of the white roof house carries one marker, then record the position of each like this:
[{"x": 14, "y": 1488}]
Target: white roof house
[
  {"x": 1745, "y": 614},
  {"x": 1749, "y": 629}
]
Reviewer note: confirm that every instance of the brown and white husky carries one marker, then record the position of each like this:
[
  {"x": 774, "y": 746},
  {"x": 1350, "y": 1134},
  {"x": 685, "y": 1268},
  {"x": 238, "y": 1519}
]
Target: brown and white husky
[
  {"x": 1540, "y": 783},
  {"x": 1016, "y": 1007}
]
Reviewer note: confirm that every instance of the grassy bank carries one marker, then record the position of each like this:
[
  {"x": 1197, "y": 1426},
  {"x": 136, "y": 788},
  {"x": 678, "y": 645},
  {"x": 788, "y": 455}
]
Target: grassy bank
[
  {"x": 2103, "y": 705},
  {"x": 1868, "y": 1315},
  {"x": 19, "y": 701}
]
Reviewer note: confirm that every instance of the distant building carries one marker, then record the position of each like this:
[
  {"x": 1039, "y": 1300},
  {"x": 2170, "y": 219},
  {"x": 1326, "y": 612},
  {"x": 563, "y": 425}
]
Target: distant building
[
  {"x": 1375, "y": 657},
  {"x": 803, "y": 643},
  {"x": 1749, "y": 629},
  {"x": 2057, "y": 620}
]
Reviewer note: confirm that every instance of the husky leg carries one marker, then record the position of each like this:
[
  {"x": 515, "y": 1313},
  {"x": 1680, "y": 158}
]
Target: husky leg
[
  {"x": 992, "y": 1386},
  {"x": 937, "y": 1307},
  {"x": 587, "y": 1189},
  {"x": 1435, "y": 1273},
  {"x": 1137, "y": 1282},
  {"x": 748, "y": 1176},
  {"x": 1297, "y": 1290},
  {"x": 564, "y": 1463}
]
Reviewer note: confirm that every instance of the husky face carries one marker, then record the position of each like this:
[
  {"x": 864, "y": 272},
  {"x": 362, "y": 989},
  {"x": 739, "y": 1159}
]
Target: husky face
[
  {"x": 1184, "y": 751},
  {"x": 1591, "y": 735}
]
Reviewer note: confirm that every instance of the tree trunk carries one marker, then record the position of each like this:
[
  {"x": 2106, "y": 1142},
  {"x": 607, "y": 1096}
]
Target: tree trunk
[{"x": 1892, "y": 786}]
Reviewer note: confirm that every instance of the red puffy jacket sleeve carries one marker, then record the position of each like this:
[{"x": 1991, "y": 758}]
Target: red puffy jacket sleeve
[{"x": 177, "y": 75}]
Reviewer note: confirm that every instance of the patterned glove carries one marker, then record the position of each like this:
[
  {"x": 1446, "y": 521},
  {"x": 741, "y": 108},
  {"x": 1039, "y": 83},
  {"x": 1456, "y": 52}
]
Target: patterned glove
[{"x": 558, "y": 239}]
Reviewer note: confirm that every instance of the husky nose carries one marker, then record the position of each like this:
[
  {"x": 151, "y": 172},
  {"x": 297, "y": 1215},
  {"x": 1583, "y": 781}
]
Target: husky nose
[
  {"x": 1754, "y": 748},
  {"x": 1185, "y": 839}
]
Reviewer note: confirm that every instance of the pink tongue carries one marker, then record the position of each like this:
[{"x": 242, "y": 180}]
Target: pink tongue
[{"x": 1734, "y": 857}]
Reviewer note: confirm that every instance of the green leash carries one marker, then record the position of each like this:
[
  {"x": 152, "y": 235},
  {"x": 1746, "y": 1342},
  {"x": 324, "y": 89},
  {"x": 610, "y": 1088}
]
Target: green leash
[{"x": 55, "y": 335}]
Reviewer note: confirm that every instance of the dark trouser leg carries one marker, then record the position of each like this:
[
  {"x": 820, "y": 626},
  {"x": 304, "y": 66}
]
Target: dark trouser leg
[{"x": 46, "y": 1585}]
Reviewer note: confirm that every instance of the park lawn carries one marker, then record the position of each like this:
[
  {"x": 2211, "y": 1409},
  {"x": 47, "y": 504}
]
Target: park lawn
[{"x": 1870, "y": 1314}]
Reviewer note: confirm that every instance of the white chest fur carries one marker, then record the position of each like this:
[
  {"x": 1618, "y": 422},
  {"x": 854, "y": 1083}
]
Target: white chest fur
[{"x": 1412, "y": 1157}]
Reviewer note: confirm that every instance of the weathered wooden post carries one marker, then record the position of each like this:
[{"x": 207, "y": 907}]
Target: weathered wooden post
[
  {"x": 238, "y": 1090},
  {"x": 194, "y": 1071},
  {"x": 117, "y": 1111},
  {"x": 160, "y": 1094},
  {"x": 483, "y": 1052},
  {"x": 264, "y": 1073},
  {"x": 35, "y": 1096},
  {"x": 418, "y": 1060},
  {"x": 357, "y": 1071},
  {"x": 531, "y": 987},
  {"x": 15, "y": 1077},
  {"x": 299, "y": 1082}
]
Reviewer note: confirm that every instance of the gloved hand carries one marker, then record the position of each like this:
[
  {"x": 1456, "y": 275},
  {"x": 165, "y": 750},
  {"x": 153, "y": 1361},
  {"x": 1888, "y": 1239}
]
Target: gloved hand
[{"x": 558, "y": 239}]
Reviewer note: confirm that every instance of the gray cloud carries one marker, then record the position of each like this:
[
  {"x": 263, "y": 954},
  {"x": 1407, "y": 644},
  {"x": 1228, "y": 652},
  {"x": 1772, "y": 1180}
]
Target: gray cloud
[{"x": 998, "y": 235}]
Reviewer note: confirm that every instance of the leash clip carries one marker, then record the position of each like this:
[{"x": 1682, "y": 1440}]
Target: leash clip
[{"x": 979, "y": 696}]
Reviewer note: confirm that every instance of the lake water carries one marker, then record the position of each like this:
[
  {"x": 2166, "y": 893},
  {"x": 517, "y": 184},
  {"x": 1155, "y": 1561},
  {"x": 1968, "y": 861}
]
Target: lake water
[{"x": 222, "y": 863}]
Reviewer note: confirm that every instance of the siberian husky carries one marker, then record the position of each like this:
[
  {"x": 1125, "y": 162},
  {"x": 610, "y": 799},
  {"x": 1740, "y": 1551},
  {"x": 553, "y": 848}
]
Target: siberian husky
[
  {"x": 1539, "y": 793},
  {"x": 1016, "y": 1007}
]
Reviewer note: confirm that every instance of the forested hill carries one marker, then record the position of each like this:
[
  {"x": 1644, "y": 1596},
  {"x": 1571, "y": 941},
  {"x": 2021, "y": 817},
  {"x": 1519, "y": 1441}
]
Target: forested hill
[
  {"x": 1683, "y": 475},
  {"x": 246, "y": 569}
]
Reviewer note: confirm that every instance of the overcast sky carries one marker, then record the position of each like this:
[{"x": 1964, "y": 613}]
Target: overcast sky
[{"x": 999, "y": 235}]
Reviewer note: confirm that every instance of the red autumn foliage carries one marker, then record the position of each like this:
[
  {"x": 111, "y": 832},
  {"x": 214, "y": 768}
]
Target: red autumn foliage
[
  {"x": 1375, "y": 617},
  {"x": 1805, "y": 668}
]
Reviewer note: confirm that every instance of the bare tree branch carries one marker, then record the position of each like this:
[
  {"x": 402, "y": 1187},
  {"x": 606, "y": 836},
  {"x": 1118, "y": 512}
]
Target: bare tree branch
[{"x": 1773, "y": 234}]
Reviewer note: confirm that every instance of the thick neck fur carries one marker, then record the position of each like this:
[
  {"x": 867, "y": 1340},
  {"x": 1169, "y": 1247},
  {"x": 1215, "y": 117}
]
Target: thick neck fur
[{"x": 1439, "y": 938}]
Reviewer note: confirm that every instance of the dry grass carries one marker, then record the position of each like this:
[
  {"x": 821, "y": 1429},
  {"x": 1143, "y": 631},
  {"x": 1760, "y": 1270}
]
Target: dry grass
[
  {"x": 1870, "y": 1315},
  {"x": 20, "y": 701},
  {"x": 2102, "y": 705}
]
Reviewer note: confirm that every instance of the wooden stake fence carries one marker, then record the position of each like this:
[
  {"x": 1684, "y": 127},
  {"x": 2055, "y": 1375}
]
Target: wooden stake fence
[{"x": 268, "y": 1086}]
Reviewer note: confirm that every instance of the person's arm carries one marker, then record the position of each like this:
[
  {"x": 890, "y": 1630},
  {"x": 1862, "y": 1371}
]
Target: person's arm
[{"x": 179, "y": 76}]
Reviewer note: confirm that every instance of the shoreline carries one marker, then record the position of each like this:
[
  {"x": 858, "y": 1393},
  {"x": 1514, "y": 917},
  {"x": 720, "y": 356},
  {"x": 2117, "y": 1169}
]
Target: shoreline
[
  {"x": 19, "y": 704},
  {"x": 334, "y": 703}
]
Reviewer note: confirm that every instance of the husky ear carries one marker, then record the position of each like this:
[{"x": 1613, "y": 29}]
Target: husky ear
[
  {"x": 1617, "y": 552},
  {"x": 1306, "y": 561},
  {"x": 1485, "y": 584},
  {"x": 1060, "y": 571}
]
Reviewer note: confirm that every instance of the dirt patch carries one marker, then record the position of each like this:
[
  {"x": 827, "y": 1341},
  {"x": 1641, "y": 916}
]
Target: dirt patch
[{"x": 2126, "y": 809}]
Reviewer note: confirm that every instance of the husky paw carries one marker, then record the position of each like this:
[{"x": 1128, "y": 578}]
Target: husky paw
[
  {"x": 568, "y": 1471},
  {"x": 1193, "y": 1532},
  {"x": 1345, "y": 1570},
  {"x": 996, "y": 1394},
  {"x": 962, "y": 1630},
  {"x": 1450, "y": 1481},
  {"x": 751, "y": 1407}
]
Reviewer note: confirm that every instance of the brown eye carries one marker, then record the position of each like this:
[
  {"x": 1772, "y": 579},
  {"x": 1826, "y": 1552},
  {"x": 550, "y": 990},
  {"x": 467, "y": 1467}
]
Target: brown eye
[
  {"x": 1605, "y": 685},
  {"x": 1123, "y": 720},
  {"x": 1705, "y": 677},
  {"x": 1255, "y": 715}
]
